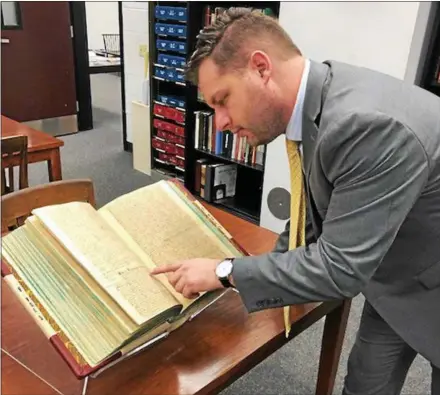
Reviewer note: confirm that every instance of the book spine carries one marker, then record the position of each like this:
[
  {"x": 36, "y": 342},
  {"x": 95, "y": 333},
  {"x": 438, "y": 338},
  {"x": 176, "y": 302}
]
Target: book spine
[
  {"x": 209, "y": 181},
  {"x": 202, "y": 180},
  {"x": 218, "y": 142},
  {"x": 197, "y": 130},
  {"x": 30, "y": 306}
]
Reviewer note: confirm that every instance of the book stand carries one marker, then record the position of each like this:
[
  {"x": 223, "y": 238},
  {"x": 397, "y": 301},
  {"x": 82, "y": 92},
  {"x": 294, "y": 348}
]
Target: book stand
[{"x": 25, "y": 343}]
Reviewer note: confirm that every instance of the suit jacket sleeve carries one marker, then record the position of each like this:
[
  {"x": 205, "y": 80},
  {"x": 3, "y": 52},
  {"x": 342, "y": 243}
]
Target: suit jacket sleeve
[
  {"x": 282, "y": 244},
  {"x": 377, "y": 168}
]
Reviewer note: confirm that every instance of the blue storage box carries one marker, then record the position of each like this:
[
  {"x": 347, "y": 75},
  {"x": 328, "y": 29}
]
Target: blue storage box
[
  {"x": 173, "y": 13},
  {"x": 161, "y": 12},
  {"x": 180, "y": 77},
  {"x": 160, "y": 72},
  {"x": 167, "y": 45},
  {"x": 177, "y": 13},
  {"x": 177, "y": 61},
  {"x": 160, "y": 28},
  {"x": 162, "y": 45},
  {"x": 170, "y": 30},
  {"x": 174, "y": 101},
  {"x": 164, "y": 59},
  {"x": 171, "y": 74},
  {"x": 177, "y": 46}
]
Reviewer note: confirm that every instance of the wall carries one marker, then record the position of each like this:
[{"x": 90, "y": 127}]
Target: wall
[
  {"x": 377, "y": 35},
  {"x": 135, "y": 26},
  {"x": 102, "y": 18},
  {"x": 419, "y": 44}
]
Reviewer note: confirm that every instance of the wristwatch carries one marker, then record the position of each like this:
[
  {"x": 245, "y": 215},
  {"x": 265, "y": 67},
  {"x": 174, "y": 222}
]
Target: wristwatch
[{"x": 224, "y": 270}]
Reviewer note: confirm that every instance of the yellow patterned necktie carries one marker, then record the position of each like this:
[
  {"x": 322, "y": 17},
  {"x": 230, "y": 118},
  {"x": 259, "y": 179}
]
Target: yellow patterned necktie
[{"x": 297, "y": 234}]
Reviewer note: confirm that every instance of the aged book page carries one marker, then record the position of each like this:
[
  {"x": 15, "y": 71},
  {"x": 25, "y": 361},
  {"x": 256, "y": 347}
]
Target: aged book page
[
  {"x": 134, "y": 247},
  {"x": 99, "y": 250},
  {"x": 165, "y": 227}
]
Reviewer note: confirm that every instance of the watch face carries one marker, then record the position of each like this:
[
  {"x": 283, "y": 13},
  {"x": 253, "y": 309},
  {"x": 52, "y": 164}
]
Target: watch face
[{"x": 224, "y": 269}]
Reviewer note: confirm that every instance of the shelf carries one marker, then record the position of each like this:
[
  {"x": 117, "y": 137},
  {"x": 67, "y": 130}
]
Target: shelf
[
  {"x": 171, "y": 21},
  {"x": 172, "y": 82},
  {"x": 168, "y": 165},
  {"x": 170, "y": 36},
  {"x": 168, "y": 105},
  {"x": 169, "y": 120},
  {"x": 172, "y": 51},
  {"x": 238, "y": 162},
  {"x": 168, "y": 67},
  {"x": 230, "y": 205}
]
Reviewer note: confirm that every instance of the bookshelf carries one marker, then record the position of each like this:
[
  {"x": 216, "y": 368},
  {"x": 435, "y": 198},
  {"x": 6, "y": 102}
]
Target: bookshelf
[{"x": 175, "y": 104}]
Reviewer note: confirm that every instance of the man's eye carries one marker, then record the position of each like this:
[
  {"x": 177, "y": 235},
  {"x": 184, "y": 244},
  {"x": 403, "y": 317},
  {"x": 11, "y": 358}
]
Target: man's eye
[{"x": 222, "y": 102}]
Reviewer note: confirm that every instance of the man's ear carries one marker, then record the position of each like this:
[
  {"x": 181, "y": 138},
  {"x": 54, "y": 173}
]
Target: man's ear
[{"x": 261, "y": 64}]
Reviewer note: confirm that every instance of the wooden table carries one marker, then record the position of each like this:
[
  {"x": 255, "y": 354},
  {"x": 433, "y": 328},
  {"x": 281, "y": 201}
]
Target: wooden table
[
  {"x": 41, "y": 147},
  {"x": 202, "y": 357}
]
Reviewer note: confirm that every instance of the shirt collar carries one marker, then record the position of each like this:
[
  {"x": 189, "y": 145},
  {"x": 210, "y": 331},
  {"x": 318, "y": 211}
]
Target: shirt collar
[{"x": 294, "y": 127}]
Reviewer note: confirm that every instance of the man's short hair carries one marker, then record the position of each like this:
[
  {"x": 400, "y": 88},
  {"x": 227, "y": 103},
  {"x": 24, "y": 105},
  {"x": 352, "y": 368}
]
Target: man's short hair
[{"x": 234, "y": 35}]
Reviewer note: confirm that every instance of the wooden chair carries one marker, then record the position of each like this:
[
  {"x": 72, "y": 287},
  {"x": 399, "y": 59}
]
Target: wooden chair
[
  {"x": 11, "y": 146},
  {"x": 17, "y": 206}
]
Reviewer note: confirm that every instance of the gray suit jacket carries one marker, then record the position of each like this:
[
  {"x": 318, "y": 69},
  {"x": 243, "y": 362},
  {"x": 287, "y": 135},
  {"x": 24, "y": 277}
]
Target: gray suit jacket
[{"x": 371, "y": 147}]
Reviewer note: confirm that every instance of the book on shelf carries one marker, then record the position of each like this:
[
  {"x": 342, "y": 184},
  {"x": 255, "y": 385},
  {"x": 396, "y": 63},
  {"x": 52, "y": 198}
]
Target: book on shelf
[
  {"x": 84, "y": 274},
  {"x": 224, "y": 143},
  {"x": 215, "y": 181}
]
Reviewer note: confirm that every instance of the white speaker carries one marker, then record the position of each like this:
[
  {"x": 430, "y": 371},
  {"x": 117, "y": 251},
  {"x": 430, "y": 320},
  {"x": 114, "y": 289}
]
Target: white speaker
[{"x": 275, "y": 205}]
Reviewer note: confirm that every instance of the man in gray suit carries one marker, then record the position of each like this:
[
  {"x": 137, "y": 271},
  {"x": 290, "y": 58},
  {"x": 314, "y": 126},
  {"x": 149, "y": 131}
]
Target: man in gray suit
[{"x": 371, "y": 156}]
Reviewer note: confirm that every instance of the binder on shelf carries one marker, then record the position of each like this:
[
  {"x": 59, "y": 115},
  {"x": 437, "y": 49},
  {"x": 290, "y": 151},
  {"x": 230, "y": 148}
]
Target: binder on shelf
[
  {"x": 168, "y": 45},
  {"x": 171, "y": 13},
  {"x": 170, "y": 30}
]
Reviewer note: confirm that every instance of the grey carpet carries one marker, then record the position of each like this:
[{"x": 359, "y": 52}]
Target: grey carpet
[{"x": 98, "y": 154}]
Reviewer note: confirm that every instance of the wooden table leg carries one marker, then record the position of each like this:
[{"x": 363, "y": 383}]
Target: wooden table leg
[
  {"x": 332, "y": 340},
  {"x": 54, "y": 165}
]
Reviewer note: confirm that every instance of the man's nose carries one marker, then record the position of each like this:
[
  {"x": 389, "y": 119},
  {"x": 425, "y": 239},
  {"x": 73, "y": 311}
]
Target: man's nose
[{"x": 222, "y": 120}]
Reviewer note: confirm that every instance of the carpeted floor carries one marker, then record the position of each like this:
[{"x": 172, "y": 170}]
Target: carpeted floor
[{"x": 98, "y": 154}]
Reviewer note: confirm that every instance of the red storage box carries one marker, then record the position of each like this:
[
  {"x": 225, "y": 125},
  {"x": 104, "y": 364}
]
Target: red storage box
[
  {"x": 162, "y": 134},
  {"x": 173, "y": 160},
  {"x": 170, "y": 148},
  {"x": 164, "y": 157},
  {"x": 180, "y": 163},
  {"x": 159, "y": 124},
  {"x": 180, "y": 131},
  {"x": 180, "y": 151},
  {"x": 158, "y": 144},
  {"x": 160, "y": 110},
  {"x": 169, "y": 127},
  {"x": 179, "y": 116}
]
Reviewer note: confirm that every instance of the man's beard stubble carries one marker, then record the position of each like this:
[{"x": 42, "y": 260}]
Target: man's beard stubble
[{"x": 270, "y": 126}]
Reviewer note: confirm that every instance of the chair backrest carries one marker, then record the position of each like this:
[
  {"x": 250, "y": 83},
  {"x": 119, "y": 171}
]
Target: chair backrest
[
  {"x": 112, "y": 44},
  {"x": 15, "y": 146},
  {"x": 17, "y": 206}
]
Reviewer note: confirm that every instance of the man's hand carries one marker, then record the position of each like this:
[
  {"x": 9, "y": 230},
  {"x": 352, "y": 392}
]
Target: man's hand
[{"x": 192, "y": 276}]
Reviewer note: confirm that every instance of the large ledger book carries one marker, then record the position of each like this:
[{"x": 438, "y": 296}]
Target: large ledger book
[{"x": 84, "y": 274}]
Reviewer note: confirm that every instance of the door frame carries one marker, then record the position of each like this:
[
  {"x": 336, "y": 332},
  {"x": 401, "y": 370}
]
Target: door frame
[{"x": 82, "y": 74}]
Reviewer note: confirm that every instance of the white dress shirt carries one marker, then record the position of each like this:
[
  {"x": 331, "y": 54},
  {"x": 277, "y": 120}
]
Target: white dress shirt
[{"x": 294, "y": 127}]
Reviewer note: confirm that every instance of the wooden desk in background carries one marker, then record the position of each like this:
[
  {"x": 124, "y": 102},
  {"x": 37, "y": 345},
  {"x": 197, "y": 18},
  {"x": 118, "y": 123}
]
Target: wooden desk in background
[
  {"x": 41, "y": 147},
  {"x": 202, "y": 357}
]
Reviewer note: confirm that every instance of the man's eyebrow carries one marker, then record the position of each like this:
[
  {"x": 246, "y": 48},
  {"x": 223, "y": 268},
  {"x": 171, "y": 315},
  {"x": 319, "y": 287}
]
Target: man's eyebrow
[{"x": 215, "y": 95}]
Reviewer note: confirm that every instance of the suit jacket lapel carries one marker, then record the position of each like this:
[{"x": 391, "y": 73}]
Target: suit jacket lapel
[{"x": 317, "y": 85}]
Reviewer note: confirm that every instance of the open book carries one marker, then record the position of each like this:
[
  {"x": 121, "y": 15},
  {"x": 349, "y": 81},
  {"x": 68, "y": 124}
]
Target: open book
[{"x": 84, "y": 274}]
